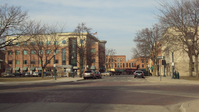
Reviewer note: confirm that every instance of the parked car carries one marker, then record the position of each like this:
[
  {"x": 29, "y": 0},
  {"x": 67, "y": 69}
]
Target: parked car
[
  {"x": 5, "y": 74},
  {"x": 138, "y": 73},
  {"x": 26, "y": 74},
  {"x": 89, "y": 74},
  {"x": 36, "y": 74},
  {"x": 106, "y": 74},
  {"x": 44, "y": 73},
  {"x": 18, "y": 74},
  {"x": 98, "y": 74}
]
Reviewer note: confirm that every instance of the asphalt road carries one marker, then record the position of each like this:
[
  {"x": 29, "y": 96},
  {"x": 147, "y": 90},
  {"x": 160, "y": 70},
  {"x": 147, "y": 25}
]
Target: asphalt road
[{"x": 121, "y": 93}]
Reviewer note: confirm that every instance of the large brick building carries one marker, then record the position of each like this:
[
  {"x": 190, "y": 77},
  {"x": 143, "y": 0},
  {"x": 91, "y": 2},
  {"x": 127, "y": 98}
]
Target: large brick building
[{"x": 20, "y": 58}]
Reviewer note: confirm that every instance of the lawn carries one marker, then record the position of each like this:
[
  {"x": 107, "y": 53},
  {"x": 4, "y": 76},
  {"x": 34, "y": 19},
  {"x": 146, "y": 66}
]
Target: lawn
[
  {"x": 13, "y": 79},
  {"x": 189, "y": 78}
]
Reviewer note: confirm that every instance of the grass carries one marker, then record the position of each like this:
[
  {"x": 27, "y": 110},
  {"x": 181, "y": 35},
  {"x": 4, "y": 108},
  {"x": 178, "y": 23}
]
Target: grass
[
  {"x": 15, "y": 79},
  {"x": 190, "y": 78}
]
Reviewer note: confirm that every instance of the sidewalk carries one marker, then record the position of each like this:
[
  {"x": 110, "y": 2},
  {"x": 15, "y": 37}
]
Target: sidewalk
[
  {"x": 63, "y": 79},
  {"x": 191, "y": 106},
  {"x": 168, "y": 79}
]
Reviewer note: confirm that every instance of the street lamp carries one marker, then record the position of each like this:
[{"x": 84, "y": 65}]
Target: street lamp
[
  {"x": 172, "y": 65},
  {"x": 54, "y": 65}
]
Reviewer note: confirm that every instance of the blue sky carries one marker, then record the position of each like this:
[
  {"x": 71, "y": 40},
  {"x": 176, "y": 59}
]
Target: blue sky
[{"x": 115, "y": 21}]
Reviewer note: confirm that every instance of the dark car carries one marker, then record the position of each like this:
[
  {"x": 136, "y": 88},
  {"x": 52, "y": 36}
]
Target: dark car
[
  {"x": 138, "y": 73},
  {"x": 98, "y": 74},
  {"x": 18, "y": 74}
]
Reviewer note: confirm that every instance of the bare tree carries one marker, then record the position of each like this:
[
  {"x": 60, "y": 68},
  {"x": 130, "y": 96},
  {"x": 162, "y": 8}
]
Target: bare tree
[
  {"x": 81, "y": 32},
  {"x": 180, "y": 20},
  {"x": 45, "y": 44},
  {"x": 148, "y": 44},
  {"x": 109, "y": 57},
  {"x": 13, "y": 22}
]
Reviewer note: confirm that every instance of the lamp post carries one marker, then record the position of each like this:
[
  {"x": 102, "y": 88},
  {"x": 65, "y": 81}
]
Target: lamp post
[
  {"x": 172, "y": 66},
  {"x": 54, "y": 65}
]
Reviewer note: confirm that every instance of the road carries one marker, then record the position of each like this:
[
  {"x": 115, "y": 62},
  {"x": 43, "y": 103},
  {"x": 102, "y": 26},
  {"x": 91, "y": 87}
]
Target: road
[{"x": 121, "y": 93}]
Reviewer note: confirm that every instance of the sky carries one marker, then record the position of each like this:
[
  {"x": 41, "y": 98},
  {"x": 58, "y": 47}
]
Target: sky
[{"x": 115, "y": 21}]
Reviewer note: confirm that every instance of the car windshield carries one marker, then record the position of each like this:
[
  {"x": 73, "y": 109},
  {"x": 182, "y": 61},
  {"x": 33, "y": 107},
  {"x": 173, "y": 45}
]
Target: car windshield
[{"x": 87, "y": 71}]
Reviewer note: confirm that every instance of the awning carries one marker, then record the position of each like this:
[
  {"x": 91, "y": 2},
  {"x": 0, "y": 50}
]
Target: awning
[
  {"x": 24, "y": 68},
  {"x": 32, "y": 68},
  {"x": 17, "y": 68},
  {"x": 39, "y": 68},
  {"x": 92, "y": 67},
  {"x": 9, "y": 68}
]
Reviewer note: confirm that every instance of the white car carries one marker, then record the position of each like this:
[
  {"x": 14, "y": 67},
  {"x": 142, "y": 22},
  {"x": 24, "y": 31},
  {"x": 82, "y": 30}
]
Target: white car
[{"x": 36, "y": 74}]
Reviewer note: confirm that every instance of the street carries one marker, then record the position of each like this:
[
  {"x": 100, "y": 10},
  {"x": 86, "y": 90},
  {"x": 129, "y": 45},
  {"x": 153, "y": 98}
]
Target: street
[{"x": 110, "y": 94}]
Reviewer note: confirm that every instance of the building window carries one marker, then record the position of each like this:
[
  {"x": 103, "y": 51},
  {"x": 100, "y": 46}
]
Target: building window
[
  {"x": 40, "y": 43},
  {"x": 120, "y": 59},
  {"x": 115, "y": 59},
  {"x": 17, "y": 44},
  {"x": 32, "y": 62},
  {"x": 48, "y": 61},
  {"x": 32, "y": 43},
  {"x": 112, "y": 65},
  {"x": 123, "y": 59},
  {"x": 56, "y": 61},
  {"x": 142, "y": 61},
  {"x": 118, "y": 65},
  {"x": 40, "y": 51},
  {"x": 126, "y": 64},
  {"x": 25, "y": 43},
  {"x": 146, "y": 61},
  {"x": 10, "y": 43},
  {"x": 115, "y": 65},
  {"x": 25, "y": 52},
  {"x": 121, "y": 65},
  {"x": 129, "y": 64},
  {"x": 48, "y": 43},
  {"x": 9, "y": 52},
  {"x": 112, "y": 59},
  {"x": 25, "y": 62},
  {"x": 39, "y": 61},
  {"x": 92, "y": 50},
  {"x": 57, "y": 51},
  {"x": 48, "y": 51},
  {"x": 10, "y": 62},
  {"x": 17, "y": 62},
  {"x": 142, "y": 65},
  {"x": 56, "y": 43},
  {"x": 106, "y": 60},
  {"x": 92, "y": 60},
  {"x": 63, "y": 56},
  {"x": 17, "y": 52},
  {"x": 64, "y": 42},
  {"x": 32, "y": 51}
]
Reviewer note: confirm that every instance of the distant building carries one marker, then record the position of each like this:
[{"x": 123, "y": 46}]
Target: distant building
[{"x": 119, "y": 63}]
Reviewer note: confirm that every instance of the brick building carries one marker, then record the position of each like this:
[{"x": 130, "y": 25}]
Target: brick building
[
  {"x": 119, "y": 63},
  {"x": 24, "y": 59}
]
